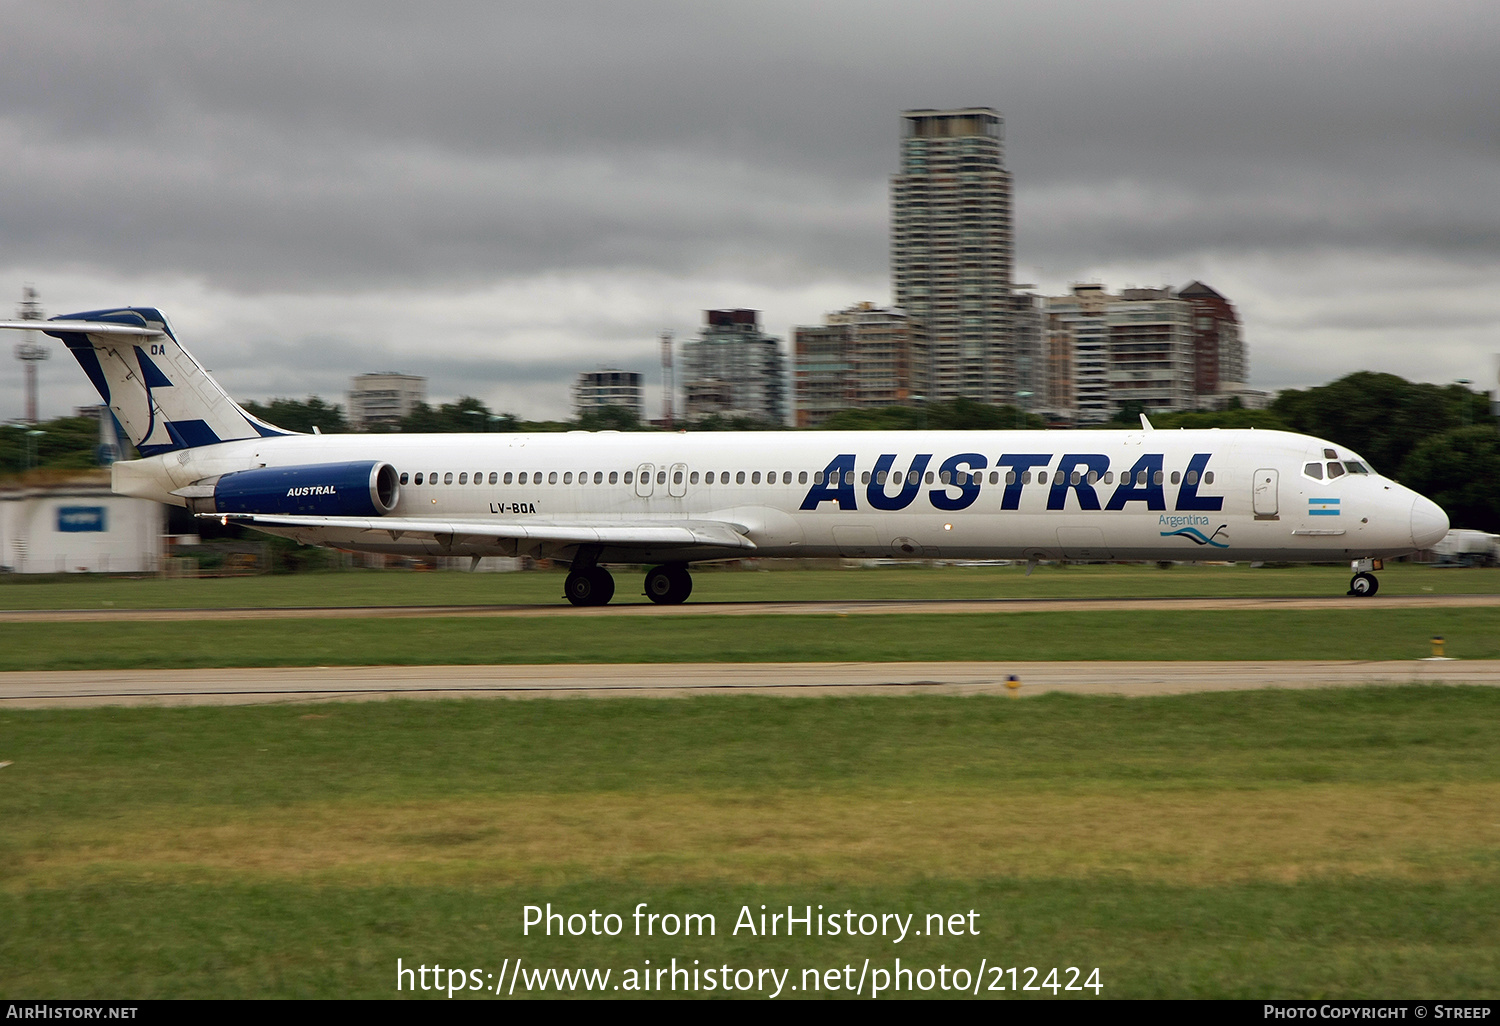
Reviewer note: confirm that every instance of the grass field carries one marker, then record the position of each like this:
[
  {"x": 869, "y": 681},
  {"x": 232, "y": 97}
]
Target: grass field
[
  {"x": 915, "y": 582},
  {"x": 1367, "y": 633},
  {"x": 1312, "y": 844}
]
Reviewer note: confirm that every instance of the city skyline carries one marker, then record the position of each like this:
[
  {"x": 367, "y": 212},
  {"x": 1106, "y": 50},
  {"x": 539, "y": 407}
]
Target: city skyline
[{"x": 505, "y": 205}]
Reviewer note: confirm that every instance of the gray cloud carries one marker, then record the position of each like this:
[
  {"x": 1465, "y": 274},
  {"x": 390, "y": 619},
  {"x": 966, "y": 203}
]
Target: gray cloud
[{"x": 666, "y": 157}]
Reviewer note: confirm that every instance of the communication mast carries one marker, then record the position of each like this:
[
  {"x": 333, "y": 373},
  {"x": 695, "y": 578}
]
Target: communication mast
[
  {"x": 30, "y": 352},
  {"x": 669, "y": 384}
]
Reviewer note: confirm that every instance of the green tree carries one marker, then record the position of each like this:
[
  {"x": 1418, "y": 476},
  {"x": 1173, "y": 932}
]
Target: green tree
[
  {"x": 719, "y": 422},
  {"x": 1381, "y": 416},
  {"x": 1460, "y": 471},
  {"x": 467, "y": 414},
  {"x": 609, "y": 418},
  {"x": 295, "y": 415},
  {"x": 66, "y": 443}
]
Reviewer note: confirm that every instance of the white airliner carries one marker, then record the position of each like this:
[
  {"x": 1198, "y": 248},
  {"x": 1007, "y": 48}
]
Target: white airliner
[{"x": 668, "y": 500}]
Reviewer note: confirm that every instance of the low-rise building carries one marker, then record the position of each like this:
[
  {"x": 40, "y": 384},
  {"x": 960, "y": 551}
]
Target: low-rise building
[
  {"x": 608, "y": 386},
  {"x": 860, "y": 357},
  {"x": 383, "y": 399},
  {"x": 77, "y": 525}
]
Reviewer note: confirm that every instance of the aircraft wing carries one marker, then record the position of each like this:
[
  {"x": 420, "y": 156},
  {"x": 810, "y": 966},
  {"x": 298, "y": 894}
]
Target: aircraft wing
[{"x": 551, "y": 533}]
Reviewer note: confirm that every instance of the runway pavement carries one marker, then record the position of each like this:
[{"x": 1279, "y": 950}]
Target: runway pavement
[
  {"x": 840, "y": 608},
  {"x": 292, "y": 685}
]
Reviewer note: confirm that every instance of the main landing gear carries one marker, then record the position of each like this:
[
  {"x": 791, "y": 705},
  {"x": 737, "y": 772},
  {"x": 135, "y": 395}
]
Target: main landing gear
[
  {"x": 1364, "y": 583},
  {"x": 592, "y": 586},
  {"x": 669, "y": 585},
  {"x": 589, "y": 584}
]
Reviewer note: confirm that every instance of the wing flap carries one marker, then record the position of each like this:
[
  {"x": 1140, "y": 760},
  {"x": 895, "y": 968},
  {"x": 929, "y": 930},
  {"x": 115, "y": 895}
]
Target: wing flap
[{"x": 713, "y": 533}]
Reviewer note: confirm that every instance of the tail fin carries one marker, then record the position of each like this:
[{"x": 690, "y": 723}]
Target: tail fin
[{"x": 162, "y": 396}]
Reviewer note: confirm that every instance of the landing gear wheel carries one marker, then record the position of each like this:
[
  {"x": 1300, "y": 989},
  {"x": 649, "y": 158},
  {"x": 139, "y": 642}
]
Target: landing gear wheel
[
  {"x": 669, "y": 585},
  {"x": 591, "y": 587},
  {"x": 1364, "y": 585}
]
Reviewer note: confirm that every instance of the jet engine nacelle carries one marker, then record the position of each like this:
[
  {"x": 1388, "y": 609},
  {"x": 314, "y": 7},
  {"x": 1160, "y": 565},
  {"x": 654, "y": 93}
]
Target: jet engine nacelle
[{"x": 364, "y": 489}]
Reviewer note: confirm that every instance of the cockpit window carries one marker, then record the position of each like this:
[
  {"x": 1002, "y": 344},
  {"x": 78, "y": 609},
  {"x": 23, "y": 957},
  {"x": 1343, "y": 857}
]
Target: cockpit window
[
  {"x": 1314, "y": 471},
  {"x": 1355, "y": 467},
  {"x": 1335, "y": 470}
]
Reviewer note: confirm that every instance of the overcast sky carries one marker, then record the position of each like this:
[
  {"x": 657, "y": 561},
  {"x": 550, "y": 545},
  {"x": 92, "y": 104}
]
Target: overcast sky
[{"x": 499, "y": 195}]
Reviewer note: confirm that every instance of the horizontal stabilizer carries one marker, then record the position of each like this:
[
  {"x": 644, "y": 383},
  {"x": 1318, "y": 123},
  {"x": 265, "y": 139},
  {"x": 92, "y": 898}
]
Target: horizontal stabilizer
[{"x": 54, "y": 328}]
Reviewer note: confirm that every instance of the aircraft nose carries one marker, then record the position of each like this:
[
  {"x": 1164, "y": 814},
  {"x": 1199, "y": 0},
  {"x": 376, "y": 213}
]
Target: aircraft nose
[{"x": 1428, "y": 523}]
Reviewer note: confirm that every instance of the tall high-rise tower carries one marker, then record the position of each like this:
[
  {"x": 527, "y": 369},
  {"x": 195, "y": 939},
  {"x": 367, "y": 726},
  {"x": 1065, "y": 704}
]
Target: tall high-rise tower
[{"x": 952, "y": 254}]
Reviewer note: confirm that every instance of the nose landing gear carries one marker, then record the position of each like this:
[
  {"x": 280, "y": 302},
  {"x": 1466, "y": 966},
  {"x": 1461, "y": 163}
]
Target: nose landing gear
[{"x": 1364, "y": 584}]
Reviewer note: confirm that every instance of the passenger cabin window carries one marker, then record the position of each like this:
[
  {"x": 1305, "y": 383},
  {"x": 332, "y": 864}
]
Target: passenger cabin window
[
  {"x": 1176, "y": 477},
  {"x": 802, "y": 477},
  {"x": 419, "y": 479},
  {"x": 661, "y": 477},
  {"x": 629, "y": 475},
  {"x": 507, "y": 477},
  {"x": 463, "y": 478},
  {"x": 552, "y": 477},
  {"x": 693, "y": 477},
  {"x": 755, "y": 477},
  {"x": 864, "y": 478},
  {"x": 403, "y": 477},
  {"x": 598, "y": 477},
  {"x": 567, "y": 477},
  {"x": 1314, "y": 471},
  {"x": 448, "y": 477},
  {"x": 817, "y": 477},
  {"x": 1335, "y": 470},
  {"x": 677, "y": 477},
  {"x": 739, "y": 478},
  {"x": 1208, "y": 478},
  {"x": 614, "y": 477}
]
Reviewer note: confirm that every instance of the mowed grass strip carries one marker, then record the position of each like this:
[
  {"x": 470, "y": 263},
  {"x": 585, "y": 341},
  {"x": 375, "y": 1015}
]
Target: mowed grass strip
[
  {"x": 1311, "y": 844},
  {"x": 719, "y": 584},
  {"x": 1348, "y": 938},
  {"x": 1373, "y": 633},
  {"x": 1199, "y": 837},
  {"x": 114, "y": 764}
]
